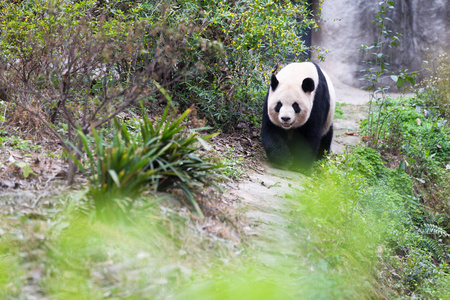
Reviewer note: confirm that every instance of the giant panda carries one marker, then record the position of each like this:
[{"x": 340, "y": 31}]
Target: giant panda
[{"x": 297, "y": 122}]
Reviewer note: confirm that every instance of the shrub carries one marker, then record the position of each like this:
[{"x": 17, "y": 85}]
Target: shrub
[
  {"x": 176, "y": 155},
  {"x": 72, "y": 65},
  {"x": 435, "y": 89},
  {"x": 414, "y": 139},
  {"x": 368, "y": 162},
  {"x": 409, "y": 129},
  {"x": 414, "y": 142},
  {"x": 162, "y": 155},
  {"x": 251, "y": 38},
  {"x": 367, "y": 233}
]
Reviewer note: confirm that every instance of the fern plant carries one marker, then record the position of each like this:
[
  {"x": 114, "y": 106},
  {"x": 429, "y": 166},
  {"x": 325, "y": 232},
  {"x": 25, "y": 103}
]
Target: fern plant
[
  {"x": 431, "y": 243},
  {"x": 432, "y": 229}
]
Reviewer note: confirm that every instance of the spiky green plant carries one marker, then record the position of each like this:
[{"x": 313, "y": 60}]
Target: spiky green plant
[
  {"x": 178, "y": 162},
  {"x": 117, "y": 170},
  {"x": 162, "y": 155}
]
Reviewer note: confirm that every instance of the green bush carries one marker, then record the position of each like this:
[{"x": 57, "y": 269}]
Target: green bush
[
  {"x": 250, "y": 38},
  {"x": 368, "y": 162},
  {"x": 162, "y": 155},
  {"x": 78, "y": 65},
  {"x": 408, "y": 129},
  {"x": 413, "y": 139},
  {"x": 368, "y": 235},
  {"x": 435, "y": 89},
  {"x": 399, "y": 181}
]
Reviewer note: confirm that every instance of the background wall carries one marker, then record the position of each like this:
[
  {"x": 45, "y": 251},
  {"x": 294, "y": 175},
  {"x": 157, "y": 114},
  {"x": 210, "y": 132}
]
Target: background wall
[{"x": 346, "y": 25}]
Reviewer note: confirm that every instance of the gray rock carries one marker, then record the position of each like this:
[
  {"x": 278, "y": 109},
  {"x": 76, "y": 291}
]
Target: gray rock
[{"x": 346, "y": 25}]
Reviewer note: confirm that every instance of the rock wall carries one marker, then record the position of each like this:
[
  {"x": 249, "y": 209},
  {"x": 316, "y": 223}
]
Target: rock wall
[{"x": 346, "y": 25}]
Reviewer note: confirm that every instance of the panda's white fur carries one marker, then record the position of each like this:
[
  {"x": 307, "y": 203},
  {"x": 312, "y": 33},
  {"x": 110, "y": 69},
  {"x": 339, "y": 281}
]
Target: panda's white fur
[{"x": 289, "y": 91}]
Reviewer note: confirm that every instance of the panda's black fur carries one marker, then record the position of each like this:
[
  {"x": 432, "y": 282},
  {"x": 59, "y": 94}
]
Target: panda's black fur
[{"x": 297, "y": 148}]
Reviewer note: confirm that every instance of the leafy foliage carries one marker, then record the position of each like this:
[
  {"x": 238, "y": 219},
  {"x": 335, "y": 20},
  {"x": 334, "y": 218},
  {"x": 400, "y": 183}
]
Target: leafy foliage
[
  {"x": 161, "y": 155},
  {"x": 415, "y": 143},
  {"x": 72, "y": 65},
  {"x": 412, "y": 139},
  {"x": 378, "y": 69},
  {"x": 435, "y": 88},
  {"x": 251, "y": 37},
  {"x": 362, "y": 216},
  {"x": 368, "y": 162},
  {"x": 416, "y": 140}
]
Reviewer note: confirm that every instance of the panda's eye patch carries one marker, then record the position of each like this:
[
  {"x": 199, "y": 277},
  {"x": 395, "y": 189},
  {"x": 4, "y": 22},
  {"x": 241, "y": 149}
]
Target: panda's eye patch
[
  {"x": 296, "y": 107},
  {"x": 278, "y": 107}
]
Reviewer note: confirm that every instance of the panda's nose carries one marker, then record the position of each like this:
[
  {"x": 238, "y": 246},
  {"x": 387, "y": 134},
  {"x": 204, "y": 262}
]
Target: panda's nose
[{"x": 285, "y": 119}]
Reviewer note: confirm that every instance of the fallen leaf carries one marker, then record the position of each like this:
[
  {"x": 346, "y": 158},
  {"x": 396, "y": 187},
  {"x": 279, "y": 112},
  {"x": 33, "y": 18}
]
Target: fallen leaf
[
  {"x": 350, "y": 133},
  {"x": 15, "y": 154}
]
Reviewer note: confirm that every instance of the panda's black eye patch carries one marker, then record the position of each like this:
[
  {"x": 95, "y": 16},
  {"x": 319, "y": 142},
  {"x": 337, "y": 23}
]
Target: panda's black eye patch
[
  {"x": 278, "y": 107},
  {"x": 296, "y": 107}
]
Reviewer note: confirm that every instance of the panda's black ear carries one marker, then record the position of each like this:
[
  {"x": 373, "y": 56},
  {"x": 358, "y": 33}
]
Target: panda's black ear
[
  {"x": 308, "y": 85},
  {"x": 273, "y": 82}
]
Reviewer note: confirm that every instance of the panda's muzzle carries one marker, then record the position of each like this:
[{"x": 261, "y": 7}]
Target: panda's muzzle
[{"x": 286, "y": 122}]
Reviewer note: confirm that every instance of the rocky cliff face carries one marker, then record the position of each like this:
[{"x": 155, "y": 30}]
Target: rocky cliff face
[{"x": 346, "y": 25}]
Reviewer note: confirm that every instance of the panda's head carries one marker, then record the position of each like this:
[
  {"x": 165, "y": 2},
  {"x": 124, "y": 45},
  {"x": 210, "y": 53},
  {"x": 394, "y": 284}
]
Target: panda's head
[{"x": 290, "y": 102}]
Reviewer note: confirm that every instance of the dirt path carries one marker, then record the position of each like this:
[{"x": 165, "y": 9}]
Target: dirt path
[{"x": 265, "y": 194}]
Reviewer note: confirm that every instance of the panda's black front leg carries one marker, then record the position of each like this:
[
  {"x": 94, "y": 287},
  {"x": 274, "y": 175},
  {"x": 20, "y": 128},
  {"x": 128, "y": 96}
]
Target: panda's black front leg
[
  {"x": 306, "y": 145},
  {"x": 325, "y": 144},
  {"x": 276, "y": 147}
]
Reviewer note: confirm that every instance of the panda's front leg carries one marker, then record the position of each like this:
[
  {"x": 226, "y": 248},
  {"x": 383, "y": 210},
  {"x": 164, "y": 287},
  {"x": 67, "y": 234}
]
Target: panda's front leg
[
  {"x": 306, "y": 147},
  {"x": 277, "y": 149}
]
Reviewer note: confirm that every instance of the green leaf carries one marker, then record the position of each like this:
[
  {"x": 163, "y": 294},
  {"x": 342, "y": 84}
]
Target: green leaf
[
  {"x": 400, "y": 83},
  {"x": 26, "y": 171},
  {"x": 114, "y": 177}
]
